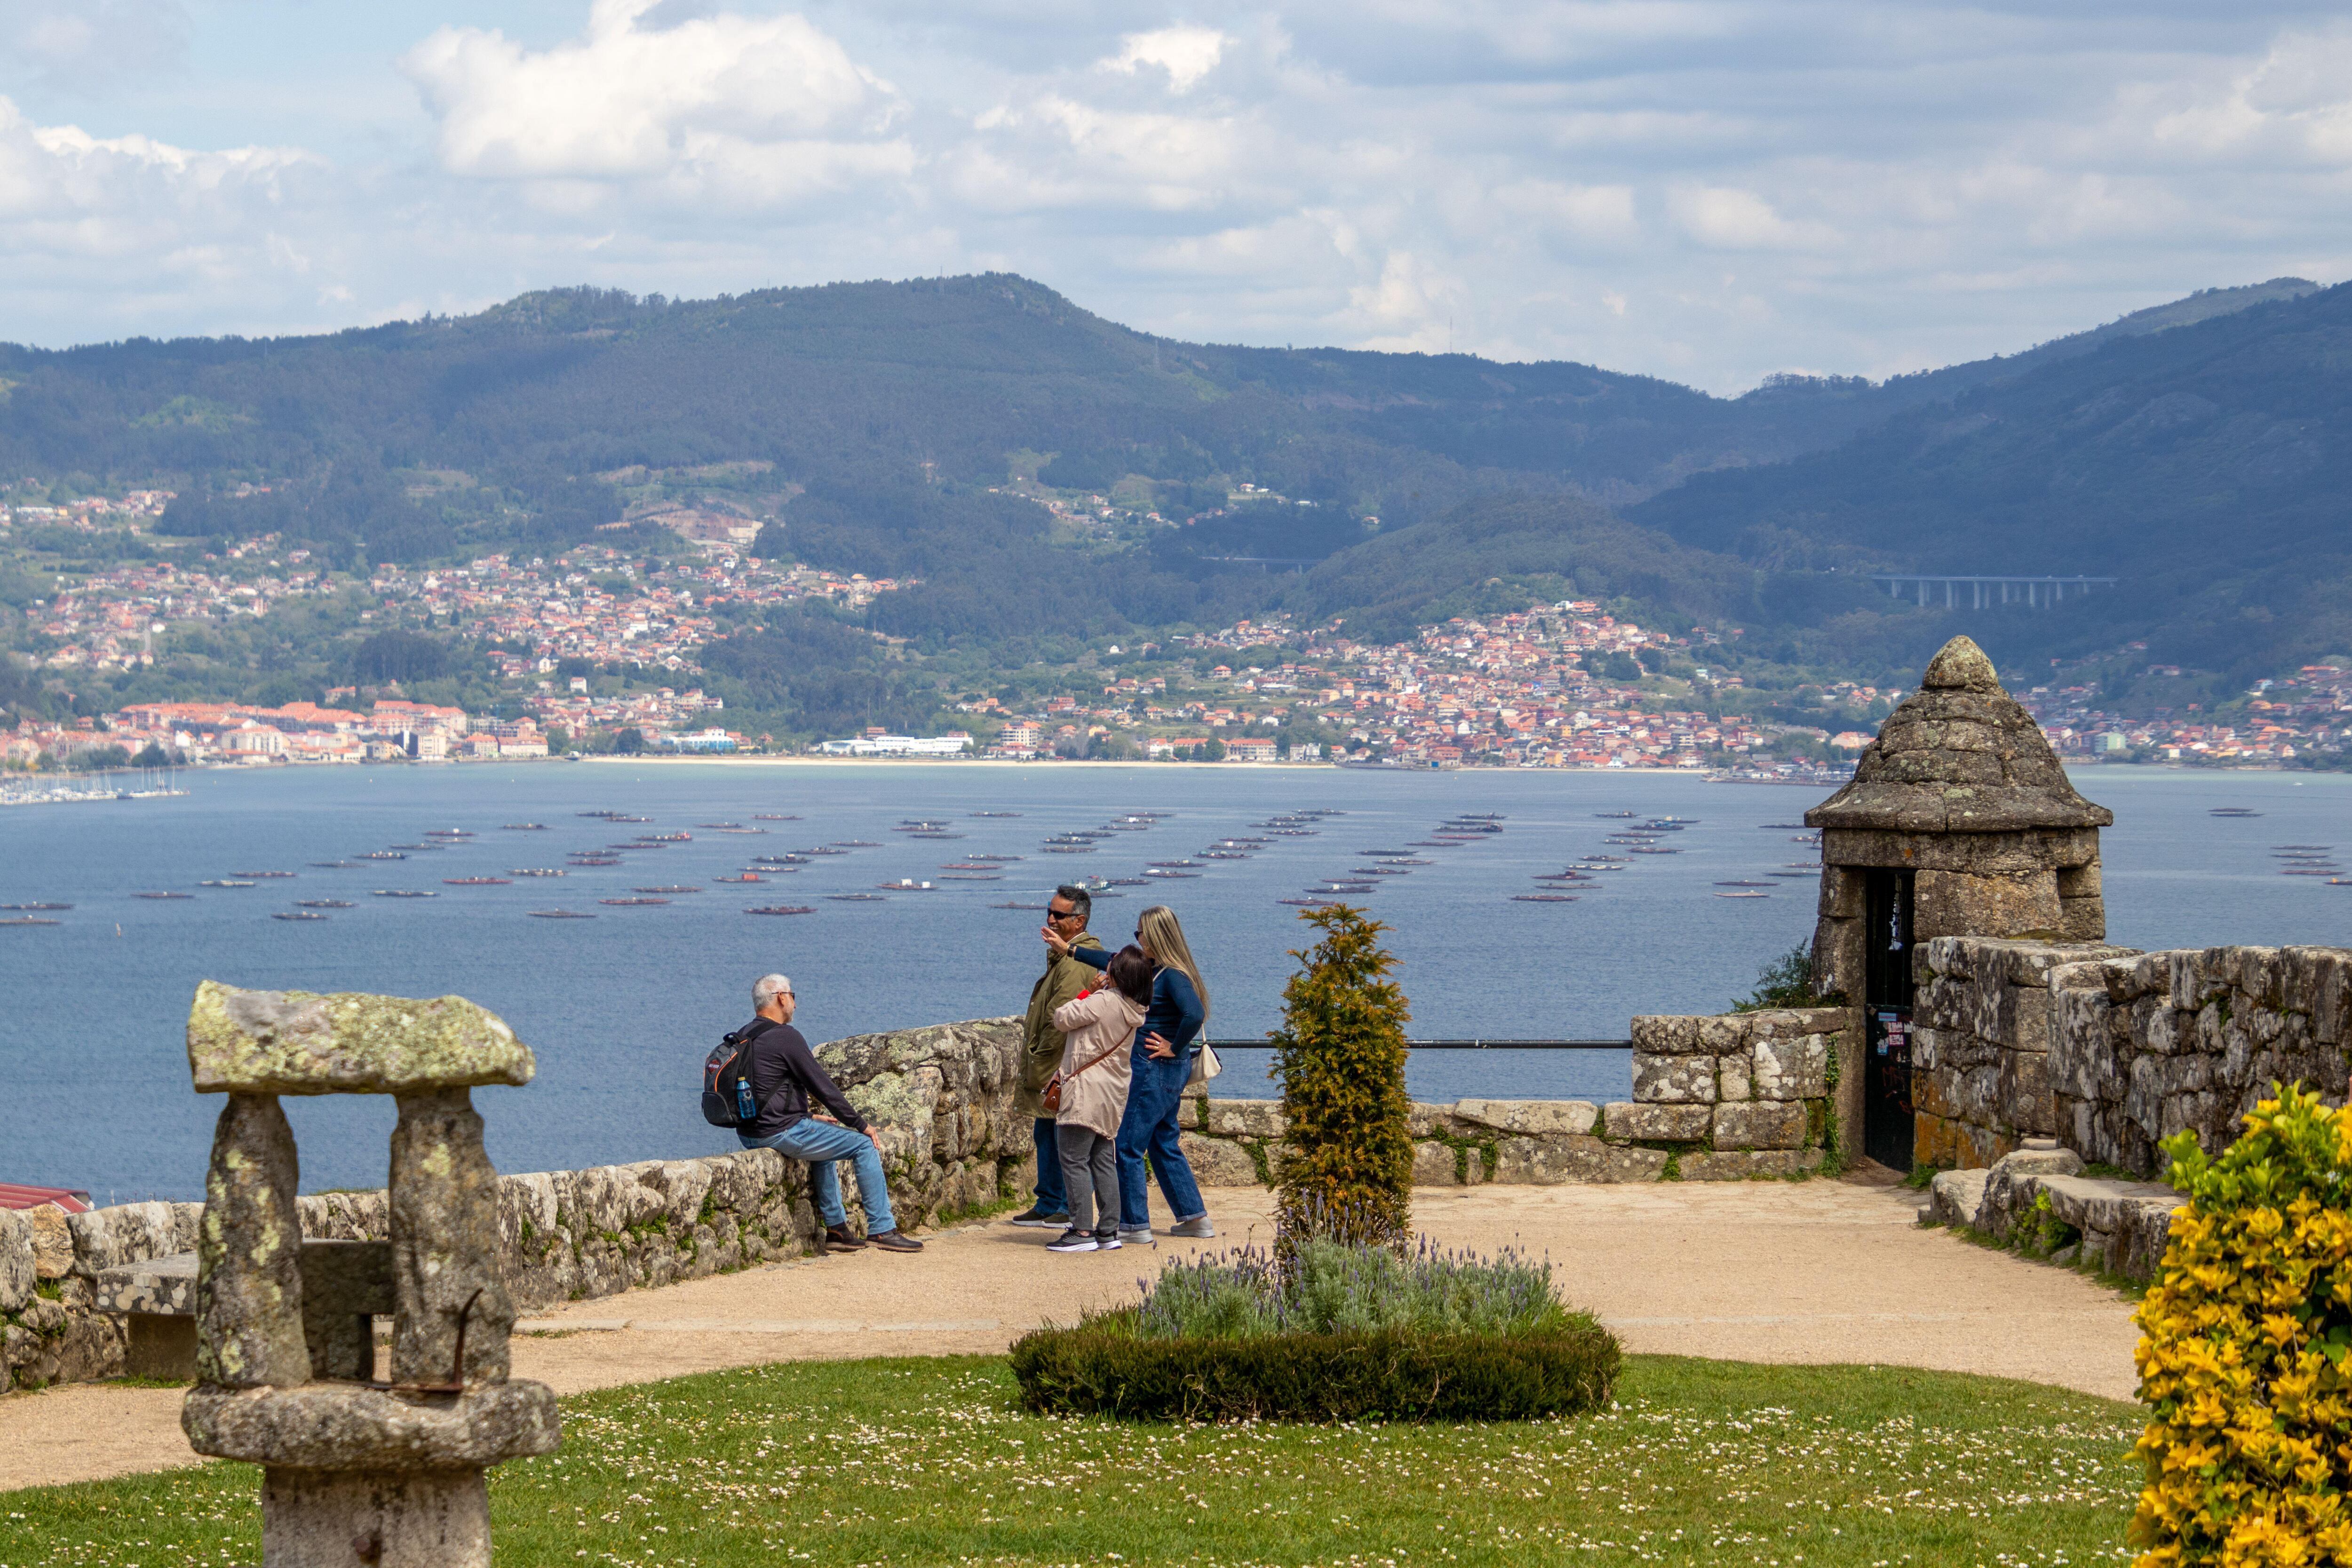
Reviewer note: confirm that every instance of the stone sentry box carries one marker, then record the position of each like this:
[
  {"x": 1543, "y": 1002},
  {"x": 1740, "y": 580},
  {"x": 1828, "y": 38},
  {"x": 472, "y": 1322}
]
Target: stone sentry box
[
  {"x": 1961, "y": 791},
  {"x": 357, "y": 1471}
]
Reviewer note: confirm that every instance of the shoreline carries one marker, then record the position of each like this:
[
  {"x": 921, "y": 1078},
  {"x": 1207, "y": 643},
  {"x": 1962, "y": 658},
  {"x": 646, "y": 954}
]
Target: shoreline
[{"x": 765, "y": 760}]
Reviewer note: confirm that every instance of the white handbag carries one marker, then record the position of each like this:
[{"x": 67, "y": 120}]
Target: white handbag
[{"x": 1205, "y": 1066}]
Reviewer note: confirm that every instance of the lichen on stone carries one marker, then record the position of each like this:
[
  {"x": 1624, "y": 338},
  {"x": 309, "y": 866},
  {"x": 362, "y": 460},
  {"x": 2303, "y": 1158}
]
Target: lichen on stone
[{"x": 300, "y": 1042}]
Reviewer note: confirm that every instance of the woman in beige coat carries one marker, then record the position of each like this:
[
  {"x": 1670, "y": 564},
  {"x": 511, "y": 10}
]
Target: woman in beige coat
[{"x": 1097, "y": 1066}]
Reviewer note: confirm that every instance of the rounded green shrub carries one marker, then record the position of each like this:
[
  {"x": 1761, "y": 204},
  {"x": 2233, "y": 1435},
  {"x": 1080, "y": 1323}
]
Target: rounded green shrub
[{"x": 1329, "y": 1330}]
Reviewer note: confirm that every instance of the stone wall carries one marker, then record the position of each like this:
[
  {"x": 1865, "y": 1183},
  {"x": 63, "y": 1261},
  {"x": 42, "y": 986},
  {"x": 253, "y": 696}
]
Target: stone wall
[
  {"x": 1983, "y": 1025},
  {"x": 1744, "y": 1093},
  {"x": 2111, "y": 1051},
  {"x": 1720, "y": 1099},
  {"x": 940, "y": 1100},
  {"x": 2190, "y": 1040},
  {"x": 1714, "y": 1099},
  {"x": 1535, "y": 1142}
]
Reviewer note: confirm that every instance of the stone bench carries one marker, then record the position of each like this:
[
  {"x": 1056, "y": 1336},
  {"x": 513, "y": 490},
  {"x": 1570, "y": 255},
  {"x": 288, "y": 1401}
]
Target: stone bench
[
  {"x": 158, "y": 1298},
  {"x": 346, "y": 1286},
  {"x": 2123, "y": 1225}
]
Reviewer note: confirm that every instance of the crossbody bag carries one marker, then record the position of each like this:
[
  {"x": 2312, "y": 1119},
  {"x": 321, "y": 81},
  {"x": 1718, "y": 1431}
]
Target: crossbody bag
[{"x": 1051, "y": 1095}]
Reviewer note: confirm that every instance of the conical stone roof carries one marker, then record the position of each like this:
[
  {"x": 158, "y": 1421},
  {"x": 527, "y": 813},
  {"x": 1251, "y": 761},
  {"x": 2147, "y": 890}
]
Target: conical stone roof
[{"x": 1959, "y": 755}]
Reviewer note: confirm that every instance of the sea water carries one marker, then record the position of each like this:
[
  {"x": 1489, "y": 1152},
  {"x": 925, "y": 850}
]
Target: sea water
[{"x": 622, "y": 1009}]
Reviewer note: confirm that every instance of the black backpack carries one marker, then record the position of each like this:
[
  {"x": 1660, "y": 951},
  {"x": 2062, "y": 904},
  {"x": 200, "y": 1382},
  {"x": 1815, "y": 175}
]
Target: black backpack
[{"x": 727, "y": 1079}]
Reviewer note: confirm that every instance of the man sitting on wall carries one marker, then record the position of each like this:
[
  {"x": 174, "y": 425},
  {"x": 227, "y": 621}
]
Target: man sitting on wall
[{"x": 785, "y": 1073}]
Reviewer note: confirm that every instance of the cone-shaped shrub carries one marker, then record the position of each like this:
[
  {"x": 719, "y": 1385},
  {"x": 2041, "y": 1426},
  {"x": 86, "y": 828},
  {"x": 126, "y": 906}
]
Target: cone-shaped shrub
[
  {"x": 1348, "y": 1173},
  {"x": 2242, "y": 1360}
]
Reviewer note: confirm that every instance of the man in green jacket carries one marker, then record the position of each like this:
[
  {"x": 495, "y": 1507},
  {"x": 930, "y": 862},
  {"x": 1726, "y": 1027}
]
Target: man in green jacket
[{"x": 1066, "y": 913}]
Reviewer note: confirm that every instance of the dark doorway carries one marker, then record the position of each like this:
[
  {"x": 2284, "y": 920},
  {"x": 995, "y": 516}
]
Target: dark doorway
[{"x": 1886, "y": 1012}]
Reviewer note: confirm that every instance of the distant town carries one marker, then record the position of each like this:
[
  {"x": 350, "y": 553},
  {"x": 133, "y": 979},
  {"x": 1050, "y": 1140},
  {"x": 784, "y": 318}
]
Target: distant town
[{"x": 1562, "y": 685}]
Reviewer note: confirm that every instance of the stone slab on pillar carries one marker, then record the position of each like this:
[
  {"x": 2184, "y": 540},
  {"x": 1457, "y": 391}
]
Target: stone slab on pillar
[
  {"x": 301, "y": 1042},
  {"x": 332, "y": 1425},
  {"x": 358, "y": 1473},
  {"x": 248, "y": 1252}
]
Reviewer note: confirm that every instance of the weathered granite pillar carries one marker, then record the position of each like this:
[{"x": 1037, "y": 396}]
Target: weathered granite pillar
[
  {"x": 249, "y": 1252},
  {"x": 445, "y": 1244},
  {"x": 358, "y": 1472},
  {"x": 368, "y": 1518},
  {"x": 1961, "y": 791}
]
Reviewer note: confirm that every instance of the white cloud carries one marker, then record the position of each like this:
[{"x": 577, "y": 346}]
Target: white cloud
[
  {"x": 762, "y": 110},
  {"x": 1186, "y": 54},
  {"x": 1576, "y": 215},
  {"x": 1057, "y": 151},
  {"x": 65, "y": 193},
  {"x": 2296, "y": 101},
  {"x": 107, "y": 235},
  {"x": 82, "y": 45},
  {"x": 1730, "y": 219},
  {"x": 1409, "y": 308},
  {"x": 1709, "y": 189}
]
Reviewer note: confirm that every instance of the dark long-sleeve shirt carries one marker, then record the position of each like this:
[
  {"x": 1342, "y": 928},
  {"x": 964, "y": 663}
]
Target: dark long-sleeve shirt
[
  {"x": 785, "y": 1073},
  {"x": 1176, "y": 1013}
]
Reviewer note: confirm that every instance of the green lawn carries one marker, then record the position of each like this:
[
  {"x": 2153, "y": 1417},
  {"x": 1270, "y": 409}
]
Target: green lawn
[{"x": 924, "y": 1461}]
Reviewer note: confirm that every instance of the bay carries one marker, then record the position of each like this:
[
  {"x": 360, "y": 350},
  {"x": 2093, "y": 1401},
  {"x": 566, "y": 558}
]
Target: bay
[{"x": 622, "y": 1009}]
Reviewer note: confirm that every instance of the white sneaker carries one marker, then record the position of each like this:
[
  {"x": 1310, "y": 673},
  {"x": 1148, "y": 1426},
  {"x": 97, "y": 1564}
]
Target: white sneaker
[
  {"x": 1073, "y": 1241},
  {"x": 1197, "y": 1229},
  {"x": 1139, "y": 1234}
]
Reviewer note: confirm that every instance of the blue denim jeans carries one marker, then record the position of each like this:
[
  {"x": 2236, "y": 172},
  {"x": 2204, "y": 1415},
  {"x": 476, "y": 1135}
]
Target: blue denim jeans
[
  {"x": 1053, "y": 1197},
  {"x": 821, "y": 1143},
  {"x": 1150, "y": 1128}
]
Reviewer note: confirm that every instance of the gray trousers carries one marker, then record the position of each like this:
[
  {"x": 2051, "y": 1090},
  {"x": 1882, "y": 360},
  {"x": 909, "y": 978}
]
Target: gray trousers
[{"x": 1090, "y": 1177}]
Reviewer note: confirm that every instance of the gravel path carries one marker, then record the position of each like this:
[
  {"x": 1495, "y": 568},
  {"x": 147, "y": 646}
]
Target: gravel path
[{"x": 1808, "y": 1272}]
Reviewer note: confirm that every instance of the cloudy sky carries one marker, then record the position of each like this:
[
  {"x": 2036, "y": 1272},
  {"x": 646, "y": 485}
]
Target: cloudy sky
[{"x": 1708, "y": 190}]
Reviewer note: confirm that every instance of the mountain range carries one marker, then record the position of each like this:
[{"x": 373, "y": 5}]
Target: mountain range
[{"x": 2194, "y": 452}]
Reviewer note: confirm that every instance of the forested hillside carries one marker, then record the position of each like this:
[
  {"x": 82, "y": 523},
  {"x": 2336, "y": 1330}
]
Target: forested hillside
[
  {"x": 855, "y": 384},
  {"x": 923, "y": 429},
  {"x": 2207, "y": 467}
]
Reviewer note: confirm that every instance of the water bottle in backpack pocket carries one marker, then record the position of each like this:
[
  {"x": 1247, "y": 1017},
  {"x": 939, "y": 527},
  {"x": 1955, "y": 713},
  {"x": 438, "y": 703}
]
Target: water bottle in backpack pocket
[{"x": 726, "y": 1081}]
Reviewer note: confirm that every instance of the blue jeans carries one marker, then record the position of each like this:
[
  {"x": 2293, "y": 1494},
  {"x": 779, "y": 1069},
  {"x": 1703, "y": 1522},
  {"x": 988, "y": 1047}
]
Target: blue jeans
[
  {"x": 821, "y": 1143},
  {"x": 1150, "y": 1128},
  {"x": 1053, "y": 1197}
]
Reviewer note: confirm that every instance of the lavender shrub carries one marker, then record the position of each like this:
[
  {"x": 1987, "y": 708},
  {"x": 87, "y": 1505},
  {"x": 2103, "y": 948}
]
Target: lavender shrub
[{"x": 1327, "y": 1286}]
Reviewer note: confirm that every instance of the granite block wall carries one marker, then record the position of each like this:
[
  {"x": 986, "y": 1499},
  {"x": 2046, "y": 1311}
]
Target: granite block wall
[
  {"x": 2110, "y": 1050},
  {"x": 940, "y": 1100},
  {"x": 1715, "y": 1098},
  {"x": 1472, "y": 1142},
  {"x": 1748, "y": 1093},
  {"x": 2190, "y": 1040},
  {"x": 1984, "y": 1022}
]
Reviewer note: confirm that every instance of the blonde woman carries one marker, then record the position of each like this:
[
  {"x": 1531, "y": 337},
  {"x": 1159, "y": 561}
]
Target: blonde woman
[{"x": 1162, "y": 1060}]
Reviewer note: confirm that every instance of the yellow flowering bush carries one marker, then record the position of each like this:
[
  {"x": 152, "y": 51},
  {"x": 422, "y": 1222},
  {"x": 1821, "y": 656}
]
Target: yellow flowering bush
[{"x": 2241, "y": 1357}]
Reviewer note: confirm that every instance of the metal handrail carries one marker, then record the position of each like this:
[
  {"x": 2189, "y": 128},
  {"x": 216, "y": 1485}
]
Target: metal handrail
[{"x": 1498, "y": 1044}]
